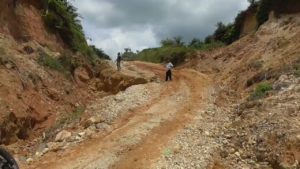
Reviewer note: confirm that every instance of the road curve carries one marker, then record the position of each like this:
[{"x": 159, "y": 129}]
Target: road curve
[{"x": 140, "y": 136}]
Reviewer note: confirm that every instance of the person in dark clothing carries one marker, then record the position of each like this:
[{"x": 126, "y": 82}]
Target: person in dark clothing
[
  {"x": 15, "y": 3},
  {"x": 169, "y": 67},
  {"x": 119, "y": 58}
]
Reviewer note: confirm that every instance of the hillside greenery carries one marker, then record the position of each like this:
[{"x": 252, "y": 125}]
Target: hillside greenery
[
  {"x": 65, "y": 64},
  {"x": 278, "y": 6},
  {"x": 99, "y": 53},
  {"x": 261, "y": 8},
  {"x": 232, "y": 31},
  {"x": 261, "y": 90},
  {"x": 61, "y": 17},
  {"x": 174, "y": 50}
]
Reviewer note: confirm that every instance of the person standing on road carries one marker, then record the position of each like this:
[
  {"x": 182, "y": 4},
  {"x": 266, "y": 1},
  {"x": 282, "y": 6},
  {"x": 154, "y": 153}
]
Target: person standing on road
[
  {"x": 169, "y": 67},
  {"x": 119, "y": 58}
]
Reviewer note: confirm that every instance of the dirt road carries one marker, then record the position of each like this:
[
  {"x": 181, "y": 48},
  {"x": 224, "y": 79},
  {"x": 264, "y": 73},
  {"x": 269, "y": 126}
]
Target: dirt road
[{"x": 140, "y": 135}]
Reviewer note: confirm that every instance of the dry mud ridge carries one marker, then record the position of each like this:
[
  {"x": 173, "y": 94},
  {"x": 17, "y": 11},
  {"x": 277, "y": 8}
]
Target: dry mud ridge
[{"x": 142, "y": 127}]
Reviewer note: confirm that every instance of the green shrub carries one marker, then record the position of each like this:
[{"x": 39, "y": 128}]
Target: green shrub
[
  {"x": 175, "y": 42},
  {"x": 52, "y": 21},
  {"x": 264, "y": 8},
  {"x": 62, "y": 18},
  {"x": 261, "y": 90},
  {"x": 163, "y": 54},
  {"x": 278, "y": 6},
  {"x": 167, "y": 152},
  {"x": 232, "y": 31},
  {"x": 154, "y": 55},
  {"x": 78, "y": 112},
  {"x": 176, "y": 57},
  {"x": 195, "y": 43},
  {"x": 100, "y": 53},
  {"x": 175, "y": 54},
  {"x": 69, "y": 63},
  {"x": 50, "y": 62},
  {"x": 66, "y": 64}
]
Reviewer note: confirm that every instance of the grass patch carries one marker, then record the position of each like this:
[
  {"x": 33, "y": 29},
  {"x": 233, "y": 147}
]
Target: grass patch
[
  {"x": 261, "y": 90},
  {"x": 78, "y": 112},
  {"x": 65, "y": 64},
  {"x": 69, "y": 63},
  {"x": 50, "y": 62},
  {"x": 167, "y": 152}
]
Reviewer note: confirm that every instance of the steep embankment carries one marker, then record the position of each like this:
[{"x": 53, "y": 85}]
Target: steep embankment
[
  {"x": 43, "y": 80},
  {"x": 22, "y": 19},
  {"x": 258, "y": 86}
]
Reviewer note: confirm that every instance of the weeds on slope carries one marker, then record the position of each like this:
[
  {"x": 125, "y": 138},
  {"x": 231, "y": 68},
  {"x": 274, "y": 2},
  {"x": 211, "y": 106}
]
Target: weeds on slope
[
  {"x": 261, "y": 90},
  {"x": 64, "y": 64}
]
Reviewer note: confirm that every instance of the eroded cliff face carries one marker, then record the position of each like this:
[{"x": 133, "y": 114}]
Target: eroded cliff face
[
  {"x": 34, "y": 95},
  {"x": 250, "y": 24},
  {"x": 22, "y": 19}
]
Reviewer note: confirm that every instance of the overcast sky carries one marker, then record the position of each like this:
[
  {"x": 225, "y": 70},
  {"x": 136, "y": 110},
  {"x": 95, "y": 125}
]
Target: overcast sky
[{"x": 137, "y": 24}]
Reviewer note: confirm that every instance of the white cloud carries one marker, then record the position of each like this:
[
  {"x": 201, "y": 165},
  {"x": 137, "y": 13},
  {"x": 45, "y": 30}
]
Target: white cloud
[
  {"x": 118, "y": 39},
  {"x": 117, "y": 24}
]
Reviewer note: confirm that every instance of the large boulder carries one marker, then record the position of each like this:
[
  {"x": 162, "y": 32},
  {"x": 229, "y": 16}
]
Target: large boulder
[
  {"x": 62, "y": 136},
  {"x": 92, "y": 121}
]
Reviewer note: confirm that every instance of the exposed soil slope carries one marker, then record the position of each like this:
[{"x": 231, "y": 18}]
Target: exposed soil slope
[
  {"x": 264, "y": 132},
  {"x": 35, "y": 96}
]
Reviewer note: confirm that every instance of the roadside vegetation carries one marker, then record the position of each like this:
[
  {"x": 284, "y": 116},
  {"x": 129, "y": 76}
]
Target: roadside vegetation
[
  {"x": 174, "y": 50},
  {"x": 61, "y": 18},
  {"x": 261, "y": 9},
  {"x": 65, "y": 64}
]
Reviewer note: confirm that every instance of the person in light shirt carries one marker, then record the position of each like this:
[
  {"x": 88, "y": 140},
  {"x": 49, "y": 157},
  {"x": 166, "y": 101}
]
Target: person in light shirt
[{"x": 169, "y": 67}]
